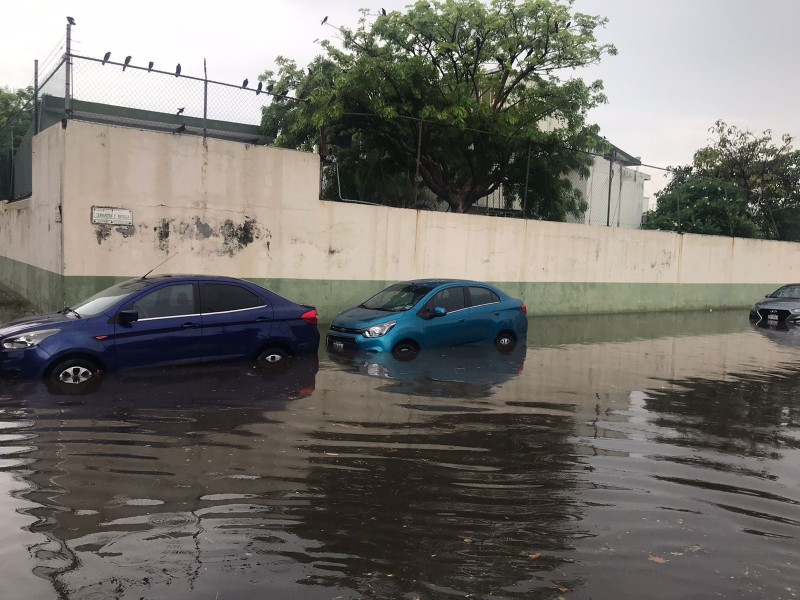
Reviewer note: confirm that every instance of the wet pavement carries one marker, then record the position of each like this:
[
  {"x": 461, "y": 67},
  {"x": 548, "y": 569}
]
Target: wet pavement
[{"x": 609, "y": 457}]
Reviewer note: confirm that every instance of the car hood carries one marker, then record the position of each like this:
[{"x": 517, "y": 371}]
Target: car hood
[
  {"x": 34, "y": 322},
  {"x": 361, "y": 318},
  {"x": 779, "y": 303}
]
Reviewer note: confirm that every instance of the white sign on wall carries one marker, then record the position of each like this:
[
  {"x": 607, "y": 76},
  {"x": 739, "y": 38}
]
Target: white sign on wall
[{"x": 107, "y": 215}]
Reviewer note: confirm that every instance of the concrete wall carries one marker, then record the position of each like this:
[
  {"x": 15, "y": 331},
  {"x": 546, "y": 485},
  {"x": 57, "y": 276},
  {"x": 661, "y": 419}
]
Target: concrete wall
[
  {"x": 30, "y": 235},
  {"x": 253, "y": 212}
]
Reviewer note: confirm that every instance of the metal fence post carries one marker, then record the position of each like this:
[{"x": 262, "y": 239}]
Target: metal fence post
[
  {"x": 68, "y": 75},
  {"x": 525, "y": 192},
  {"x": 611, "y": 156},
  {"x": 416, "y": 173},
  {"x": 35, "y": 97},
  {"x": 205, "y": 97}
]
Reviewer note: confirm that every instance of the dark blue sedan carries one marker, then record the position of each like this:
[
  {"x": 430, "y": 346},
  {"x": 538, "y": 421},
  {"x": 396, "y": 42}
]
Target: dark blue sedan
[{"x": 159, "y": 320}]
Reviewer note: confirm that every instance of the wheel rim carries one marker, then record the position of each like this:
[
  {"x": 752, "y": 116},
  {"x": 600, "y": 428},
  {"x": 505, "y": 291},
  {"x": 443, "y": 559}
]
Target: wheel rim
[
  {"x": 75, "y": 375},
  {"x": 272, "y": 358},
  {"x": 504, "y": 341}
]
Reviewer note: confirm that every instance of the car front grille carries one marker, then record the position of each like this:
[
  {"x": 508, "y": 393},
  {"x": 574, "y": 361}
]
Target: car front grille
[
  {"x": 773, "y": 314},
  {"x": 344, "y": 329}
]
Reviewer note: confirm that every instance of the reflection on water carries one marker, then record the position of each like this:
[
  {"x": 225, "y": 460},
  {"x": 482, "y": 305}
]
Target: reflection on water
[{"x": 606, "y": 455}]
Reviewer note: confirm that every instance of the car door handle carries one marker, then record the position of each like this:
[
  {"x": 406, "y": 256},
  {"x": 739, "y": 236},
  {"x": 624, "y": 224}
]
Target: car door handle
[
  {"x": 191, "y": 325},
  {"x": 262, "y": 320},
  {"x": 461, "y": 320}
]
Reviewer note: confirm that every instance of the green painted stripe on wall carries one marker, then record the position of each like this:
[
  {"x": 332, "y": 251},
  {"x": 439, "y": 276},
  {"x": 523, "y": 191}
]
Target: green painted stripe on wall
[
  {"x": 46, "y": 290},
  {"x": 544, "y": 298},
  {"x": 554, "y": 298},
  {"x": 43, "y": 289}
]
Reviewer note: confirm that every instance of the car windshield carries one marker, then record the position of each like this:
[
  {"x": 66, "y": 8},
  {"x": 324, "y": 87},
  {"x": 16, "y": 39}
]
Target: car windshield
[
  {"x": 787, "y": 291},
  {"x": 398, "y": 297},
  {"x": 102, "y": 301}
]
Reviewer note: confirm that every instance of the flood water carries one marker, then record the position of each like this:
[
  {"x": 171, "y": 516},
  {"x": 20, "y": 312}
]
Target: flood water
[{"x": 610, "y": 457}]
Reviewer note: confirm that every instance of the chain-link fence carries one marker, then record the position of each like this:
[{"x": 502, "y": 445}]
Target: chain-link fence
[
  {"x": 442, "y": 170},
  {"x": 541, "y": 181}
]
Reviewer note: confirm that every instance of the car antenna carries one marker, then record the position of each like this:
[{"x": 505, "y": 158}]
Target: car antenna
[{"x": 159, "y": 264}]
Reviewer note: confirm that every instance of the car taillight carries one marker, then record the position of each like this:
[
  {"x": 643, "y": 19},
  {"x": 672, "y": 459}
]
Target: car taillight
[
  {"x": 524, "y": 309},
  {"x": 310, "y": 317}
]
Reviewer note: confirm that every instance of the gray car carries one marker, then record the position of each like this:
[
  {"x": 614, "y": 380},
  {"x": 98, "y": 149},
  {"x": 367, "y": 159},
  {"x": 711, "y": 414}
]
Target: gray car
[{"x": 781, "y": 307}]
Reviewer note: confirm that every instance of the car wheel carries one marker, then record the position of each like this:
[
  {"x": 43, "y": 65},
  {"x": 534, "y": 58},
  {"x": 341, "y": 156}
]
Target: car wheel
[
  {"x": 273, "y": 359},
  {"x": 73, "y": 376},
  {"x": 405, "y": 351},
  {"x": 505, "y": 341}
]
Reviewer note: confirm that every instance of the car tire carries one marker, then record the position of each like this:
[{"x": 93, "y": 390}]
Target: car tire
[
  {"x": 405, "y": 351},
  {"x": 505, "y": 341},
  {"x": 273, "y": 360},
  {"x": 73, "y": 377}
]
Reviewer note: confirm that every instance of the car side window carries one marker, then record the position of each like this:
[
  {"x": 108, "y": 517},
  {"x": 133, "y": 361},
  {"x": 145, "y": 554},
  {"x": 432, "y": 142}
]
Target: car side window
[
  {"x": 168, "y": 301},
  {"x": 451, "y": 299},
  {"x": 223, "y": 297},
  {"x": 478, "y": 296}
]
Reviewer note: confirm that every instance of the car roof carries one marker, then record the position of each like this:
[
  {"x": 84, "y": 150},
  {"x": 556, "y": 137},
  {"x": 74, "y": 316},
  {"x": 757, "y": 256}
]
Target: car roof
[
  {"x": 166, "y": 277},
  {"x": 437, "y": 282}
]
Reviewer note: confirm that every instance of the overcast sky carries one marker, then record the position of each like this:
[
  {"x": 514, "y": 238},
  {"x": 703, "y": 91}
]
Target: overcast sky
[{"x": 682, "y": 64}]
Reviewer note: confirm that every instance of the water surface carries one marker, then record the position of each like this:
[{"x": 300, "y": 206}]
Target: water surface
[{"x": 608, "y": 457}]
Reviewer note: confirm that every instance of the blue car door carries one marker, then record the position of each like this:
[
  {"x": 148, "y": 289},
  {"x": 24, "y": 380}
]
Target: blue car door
[
  {"x": 236, "y": 321},
  {"x": 485, "y": 314},
  {"x": 452, "y": 328},
  {"x": 167, "y": 331}
]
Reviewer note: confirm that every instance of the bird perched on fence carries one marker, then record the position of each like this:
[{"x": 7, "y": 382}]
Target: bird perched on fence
[
  {"x": 181, "y": 129},
  {"x": 244, "y": 83},
  {"x": 258, "y": 89},
  {"x": 325, "y": 20},
  {"x": 383, "y": 12},
  {"x": 178, "y": 70},
  {"x": 126, "y": 63},
  {"x": 150, "y": 66},
  {"x": 269, "y": 87},
  {"x": 106, "y": 57},
  {"x": 70, "y": 20},
  {"x": 180, "y": 110}
]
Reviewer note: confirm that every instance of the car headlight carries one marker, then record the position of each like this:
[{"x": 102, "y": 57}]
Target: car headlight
[
  {"x": 795, "y": 311},
  {"x": 28, "y": 340},
  {"x": 379, "y": 330}
]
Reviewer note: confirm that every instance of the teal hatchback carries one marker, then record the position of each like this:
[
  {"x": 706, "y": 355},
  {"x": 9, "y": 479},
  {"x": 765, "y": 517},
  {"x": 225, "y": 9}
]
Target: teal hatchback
[{"x": 409, "y": 316}]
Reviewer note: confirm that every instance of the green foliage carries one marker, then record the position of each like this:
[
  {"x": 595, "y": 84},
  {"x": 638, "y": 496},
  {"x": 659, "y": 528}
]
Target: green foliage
[
  {"x": 16, "y": 114},
  {"x": 706, "y": 206},
  {"x": 13, "y": 101},
  {"x": 486, "y": 79},
  {"x": 766, "y": 175}
]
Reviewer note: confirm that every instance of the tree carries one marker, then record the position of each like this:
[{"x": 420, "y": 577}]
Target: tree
[
  {"x": 16, "y": 113},
  {"x": 12, "y": 103},
  {"x": 706, "y": 206},
  {"x": 453, "y": 93},
  {"x": 766, "y": 174}
]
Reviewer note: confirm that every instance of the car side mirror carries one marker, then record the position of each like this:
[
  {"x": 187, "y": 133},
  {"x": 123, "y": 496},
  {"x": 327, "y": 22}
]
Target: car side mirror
[
  {"x": 438, "y": 311},
  {"x": 126, "y": 317}
]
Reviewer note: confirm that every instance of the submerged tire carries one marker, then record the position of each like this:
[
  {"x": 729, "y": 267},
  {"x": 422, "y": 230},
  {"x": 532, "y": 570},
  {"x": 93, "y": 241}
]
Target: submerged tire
[
  {"x": 273, "y": 360},
  {"x": 405, "y": 351},
  {"x": 505, "y": 341},
  {"x": 73, "y": 376}
]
